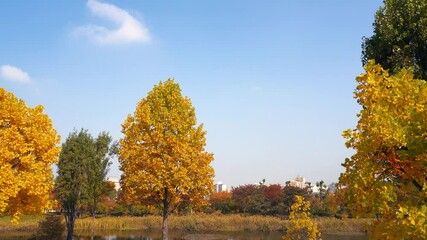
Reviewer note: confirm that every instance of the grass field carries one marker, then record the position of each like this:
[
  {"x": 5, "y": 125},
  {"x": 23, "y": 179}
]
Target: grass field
[
  {"x": 195, "y": 223},
  {"x": 25, "y": 223}
]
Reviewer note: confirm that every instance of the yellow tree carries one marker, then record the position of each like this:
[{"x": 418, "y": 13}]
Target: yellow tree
[
  {"x": 387, "y": 176},
  {"x": 300, "y": 226},
  {"x": 162, "y": 153},
  {"x": 28, "y": 147}
]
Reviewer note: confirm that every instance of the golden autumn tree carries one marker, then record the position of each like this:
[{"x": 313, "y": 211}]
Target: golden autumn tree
[
  {"x": 28, "y": 147},
  {"x": 162, "y": 154},
  {"x": 300, "y": 225},
  {"x": 387, "y": 176}
]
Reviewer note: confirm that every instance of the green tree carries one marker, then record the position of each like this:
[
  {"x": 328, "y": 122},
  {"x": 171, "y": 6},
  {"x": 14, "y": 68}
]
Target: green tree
[
  {"x": 400, "y": 37},
  {"x": 108, "y": 198},
  {"x": 387, "y": 174},
  {"x": 162, "y": 153},
  {"x": 82, "y": 167},
  {"x": 96, "y": 171}
]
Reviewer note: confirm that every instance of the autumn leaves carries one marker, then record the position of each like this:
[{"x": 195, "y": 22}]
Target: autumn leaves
[
  {"x": 162, "y": 154},
  {"x": 28, "y": 147},
  {"x": 387, "y": 174}
]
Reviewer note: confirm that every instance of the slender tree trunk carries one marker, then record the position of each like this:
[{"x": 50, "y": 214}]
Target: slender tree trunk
[
  {"x": 93, "y": 222},
  {"x": 70, "y": 217},
  {"x": 165, "y": 216}
]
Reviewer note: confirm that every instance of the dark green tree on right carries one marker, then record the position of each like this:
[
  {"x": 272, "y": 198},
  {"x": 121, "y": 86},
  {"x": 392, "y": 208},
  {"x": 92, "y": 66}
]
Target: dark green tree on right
[{"x": 400, "y": 37}]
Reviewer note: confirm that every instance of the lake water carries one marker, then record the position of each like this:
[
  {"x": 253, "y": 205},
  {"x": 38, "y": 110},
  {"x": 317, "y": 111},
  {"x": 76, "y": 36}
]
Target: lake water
[{"x": 177, "y": 235}]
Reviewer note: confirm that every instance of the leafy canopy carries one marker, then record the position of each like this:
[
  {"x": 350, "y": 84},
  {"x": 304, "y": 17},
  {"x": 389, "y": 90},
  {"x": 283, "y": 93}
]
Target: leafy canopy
[
  {"x": 82, "y": 167},
  {"x": 400, "y": 37},
  {"x": 97, "y": 168},
  {"x": 387, "y": 174},
  {"x": 28, "y": 147},
  {"x": 162, "y": 153}
]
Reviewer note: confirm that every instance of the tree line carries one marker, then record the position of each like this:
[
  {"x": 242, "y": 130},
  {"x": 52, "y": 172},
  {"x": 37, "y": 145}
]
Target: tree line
[{"x": 274, "y": 199}]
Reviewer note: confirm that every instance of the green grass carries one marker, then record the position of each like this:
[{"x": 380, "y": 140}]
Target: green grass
[{"x": 28, "y": 222}]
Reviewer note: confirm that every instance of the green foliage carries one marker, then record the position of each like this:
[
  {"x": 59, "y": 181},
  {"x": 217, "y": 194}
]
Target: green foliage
[
  {"x": 97, "y": 168},
  {"x": 400, "y": 37},
  {"x": 387, "y": 174},
  {"x": 71, "y": 181},
  {"x": 82, "y": 168},
  {"x": 108, "y": 199}
]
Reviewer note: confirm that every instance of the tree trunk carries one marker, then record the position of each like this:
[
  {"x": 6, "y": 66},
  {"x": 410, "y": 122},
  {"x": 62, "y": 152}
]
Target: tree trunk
[
  {"x": 93, "y": 220},
  {"x": 165, "y": 216},
  {"x": 93, "y": 226},
  {"x": 165, "y": 226},
  {"x": 70, "y": 217}
]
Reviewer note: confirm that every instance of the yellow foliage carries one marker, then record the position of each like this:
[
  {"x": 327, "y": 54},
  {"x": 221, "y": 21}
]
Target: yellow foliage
[
  {"x": 387, "y": 173},
  {"x": 28, "y": 147},
  {"x": 300, "y": 225},
  {"x": 162, "y": 153}
]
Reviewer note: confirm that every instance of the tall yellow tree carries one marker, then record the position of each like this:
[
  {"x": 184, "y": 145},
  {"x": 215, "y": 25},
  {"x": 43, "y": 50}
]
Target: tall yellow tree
[
  {"x": 28, "y": 147},
  {"x": 387, "y": 176},
  {"x": 162, "y": 153}
]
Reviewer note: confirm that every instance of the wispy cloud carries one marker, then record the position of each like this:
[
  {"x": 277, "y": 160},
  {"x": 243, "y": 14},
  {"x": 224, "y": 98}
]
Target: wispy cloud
[
  {"x": 129, "y": 29},
  {"x": 14, "y": 74},
  {"x": 256, "y": 88}
]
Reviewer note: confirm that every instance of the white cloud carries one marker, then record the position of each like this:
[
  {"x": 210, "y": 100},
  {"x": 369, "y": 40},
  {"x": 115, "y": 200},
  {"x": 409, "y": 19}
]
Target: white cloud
[
  {"x": 14, "y": 74},
  {"x": 129, "y": 29}
]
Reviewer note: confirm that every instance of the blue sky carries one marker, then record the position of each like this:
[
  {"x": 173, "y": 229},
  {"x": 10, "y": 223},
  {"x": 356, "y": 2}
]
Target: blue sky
[{"x": 272, "y": 81}]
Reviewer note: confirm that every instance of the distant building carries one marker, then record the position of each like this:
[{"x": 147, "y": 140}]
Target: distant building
[
  {"x": 319, "y": 187},
  {"x": 315, "y": 189},
  {"x": 299, "y": 182},
  {"x": 220, "y": 187}
]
